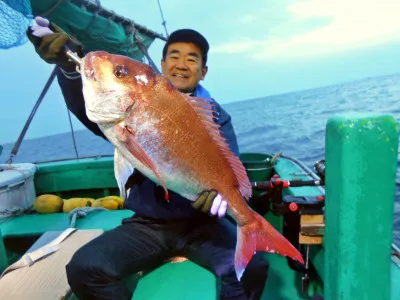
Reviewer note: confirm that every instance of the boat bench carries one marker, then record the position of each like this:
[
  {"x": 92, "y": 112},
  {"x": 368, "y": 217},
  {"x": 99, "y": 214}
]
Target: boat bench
[
  {"x": 169, "y": 279},
  {"x": 34, "y": 225}
]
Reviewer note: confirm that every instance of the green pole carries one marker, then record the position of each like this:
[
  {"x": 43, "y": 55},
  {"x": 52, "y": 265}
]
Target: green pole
[
  {"x": 361, "y": 162},
  {"x": 3, "y": 255}
]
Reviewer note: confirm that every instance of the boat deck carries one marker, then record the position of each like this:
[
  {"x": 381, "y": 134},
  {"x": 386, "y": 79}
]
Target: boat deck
[
  {"x": 173, "y": 281},
  {"x": 169, "y": 278}
]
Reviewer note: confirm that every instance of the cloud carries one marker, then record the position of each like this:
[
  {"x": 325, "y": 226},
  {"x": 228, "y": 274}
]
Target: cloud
[
  {"x": 349, "y": 24},
  {"x": 240, "y": 46}
]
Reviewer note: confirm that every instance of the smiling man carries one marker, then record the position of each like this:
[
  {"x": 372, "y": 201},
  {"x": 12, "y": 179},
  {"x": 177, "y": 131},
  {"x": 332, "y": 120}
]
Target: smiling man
[
  {"x": 159, "y": 229},
  {"x": 185, "y": 59}
]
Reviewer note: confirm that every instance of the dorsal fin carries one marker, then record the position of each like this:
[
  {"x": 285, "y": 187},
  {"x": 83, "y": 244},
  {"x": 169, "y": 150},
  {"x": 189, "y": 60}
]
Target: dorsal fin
[{"x": 205, "y": 111}]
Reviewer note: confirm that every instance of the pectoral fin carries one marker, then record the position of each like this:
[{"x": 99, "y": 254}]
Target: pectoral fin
[
  {"x": 136, "y": 149},
  {"x": 122, "y": 170}
]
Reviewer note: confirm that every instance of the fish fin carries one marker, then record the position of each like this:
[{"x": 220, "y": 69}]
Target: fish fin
[
  {"x": 205, "y": 111},
  {"x": 136, "y": 149},
  {"x": 122, "y": 170},
  {"x": 259, "y": 235}
]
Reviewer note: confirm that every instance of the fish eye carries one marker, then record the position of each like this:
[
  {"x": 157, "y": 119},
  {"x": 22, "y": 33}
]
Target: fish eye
[{"x": 120, "y": 71}]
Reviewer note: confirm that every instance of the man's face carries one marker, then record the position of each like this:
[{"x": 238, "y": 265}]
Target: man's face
[{"x": 183, "y": 66}]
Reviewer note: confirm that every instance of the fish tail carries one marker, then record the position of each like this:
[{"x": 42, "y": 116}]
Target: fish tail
[{"x": 259, "y": 235}]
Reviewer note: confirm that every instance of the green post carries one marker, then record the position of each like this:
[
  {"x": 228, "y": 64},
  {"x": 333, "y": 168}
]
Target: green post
[
  {"x": 361, "y": 162},
  {"x": 3, "y": 255}
]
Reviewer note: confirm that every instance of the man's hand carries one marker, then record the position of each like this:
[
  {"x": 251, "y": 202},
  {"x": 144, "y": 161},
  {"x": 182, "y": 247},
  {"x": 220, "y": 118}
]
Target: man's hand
[
  {"x": 211, "y": 202},
  {"x": 49, "y": 41}
]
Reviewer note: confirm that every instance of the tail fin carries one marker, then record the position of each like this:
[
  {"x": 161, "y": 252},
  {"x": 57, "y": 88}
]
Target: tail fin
[{"x": 259, "y": 235}]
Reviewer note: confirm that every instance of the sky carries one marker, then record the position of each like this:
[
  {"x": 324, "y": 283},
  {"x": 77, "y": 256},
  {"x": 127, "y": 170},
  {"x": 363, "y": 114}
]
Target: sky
[{"x": 266, "y": 48}]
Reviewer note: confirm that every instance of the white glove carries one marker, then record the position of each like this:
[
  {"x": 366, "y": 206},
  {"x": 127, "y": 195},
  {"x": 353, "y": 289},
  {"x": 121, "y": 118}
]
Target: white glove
[
  {"x": 219, "y": 207},
  {"x": 41, "y": 28}
]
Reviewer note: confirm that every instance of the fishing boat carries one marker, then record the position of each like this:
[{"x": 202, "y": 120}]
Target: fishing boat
[{"x": 338, "y": 213}]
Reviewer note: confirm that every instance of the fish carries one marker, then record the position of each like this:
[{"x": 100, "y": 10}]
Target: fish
[{"x": 173, "y": 140}]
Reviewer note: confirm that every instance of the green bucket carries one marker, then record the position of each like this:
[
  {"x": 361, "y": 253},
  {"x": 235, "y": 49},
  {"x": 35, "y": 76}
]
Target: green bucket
[{"x": 258, "y": 166}]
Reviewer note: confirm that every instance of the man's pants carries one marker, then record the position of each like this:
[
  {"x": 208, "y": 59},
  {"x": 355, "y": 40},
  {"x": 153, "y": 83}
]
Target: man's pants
[{"x": 139, "y": 244}]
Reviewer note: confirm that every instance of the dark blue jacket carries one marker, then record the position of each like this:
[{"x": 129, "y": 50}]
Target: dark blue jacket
[{"x": 146, "y": 198}]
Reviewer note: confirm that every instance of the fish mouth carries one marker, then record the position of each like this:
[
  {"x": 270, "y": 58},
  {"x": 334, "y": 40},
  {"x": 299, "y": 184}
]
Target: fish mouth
[
  {"x": 88, "y": 67},
  {"x": 90, "y": 61}
]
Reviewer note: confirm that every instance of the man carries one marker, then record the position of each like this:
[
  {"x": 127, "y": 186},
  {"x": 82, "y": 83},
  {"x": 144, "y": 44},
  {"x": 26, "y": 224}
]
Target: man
[{"x": 159, "y": 229}]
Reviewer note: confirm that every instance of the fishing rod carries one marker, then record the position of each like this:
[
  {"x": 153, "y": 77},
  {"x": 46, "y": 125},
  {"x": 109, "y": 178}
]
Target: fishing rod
[
  {"x": 282, "y": 203},
  {"x": 277, "y": 182}
]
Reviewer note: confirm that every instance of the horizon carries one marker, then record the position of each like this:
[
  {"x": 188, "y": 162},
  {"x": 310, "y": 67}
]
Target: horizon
[{"x": 225, "y": 104}]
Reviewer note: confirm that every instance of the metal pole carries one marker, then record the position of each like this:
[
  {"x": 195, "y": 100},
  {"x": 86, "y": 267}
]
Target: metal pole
[{"x": 14, "y": 151}]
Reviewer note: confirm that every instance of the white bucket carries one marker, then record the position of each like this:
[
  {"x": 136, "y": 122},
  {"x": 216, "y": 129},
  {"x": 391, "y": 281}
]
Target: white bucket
[{"x": 17, "y": 189}]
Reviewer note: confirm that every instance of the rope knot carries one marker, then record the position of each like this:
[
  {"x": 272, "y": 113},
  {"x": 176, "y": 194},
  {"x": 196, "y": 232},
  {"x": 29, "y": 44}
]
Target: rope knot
[{"x": 81, "y": 212}]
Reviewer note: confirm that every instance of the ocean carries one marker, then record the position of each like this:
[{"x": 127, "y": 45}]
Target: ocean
[{"x": 293, "y": 123}]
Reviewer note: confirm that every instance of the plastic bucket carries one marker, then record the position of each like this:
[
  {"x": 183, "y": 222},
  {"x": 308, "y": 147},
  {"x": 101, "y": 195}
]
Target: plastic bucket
[{"x": 258, "y": 166}]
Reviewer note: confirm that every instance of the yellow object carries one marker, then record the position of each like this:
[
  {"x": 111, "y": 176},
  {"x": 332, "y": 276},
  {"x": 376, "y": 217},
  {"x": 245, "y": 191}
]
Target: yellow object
[
  {"x": 48, "y": 204},
  {"x": 106, "y": 202},
  {"x": 119, "y": 200},
  {"x": 72, "y": 203}
]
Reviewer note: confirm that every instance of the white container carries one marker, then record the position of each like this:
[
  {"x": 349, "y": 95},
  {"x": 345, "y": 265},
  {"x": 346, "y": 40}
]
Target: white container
[{"x": 17, "y": 189}]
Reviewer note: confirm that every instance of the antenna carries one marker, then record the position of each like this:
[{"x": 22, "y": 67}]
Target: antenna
[{"x": 162, "y": 17}]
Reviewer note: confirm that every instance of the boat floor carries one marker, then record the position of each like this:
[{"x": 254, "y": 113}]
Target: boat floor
[
  {"x": 187, "y": 281},
  {"x": 184, "y": 280},
  {"x": 201, "y": 284}
]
